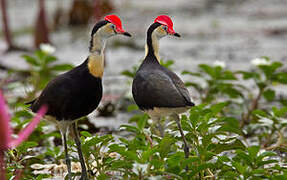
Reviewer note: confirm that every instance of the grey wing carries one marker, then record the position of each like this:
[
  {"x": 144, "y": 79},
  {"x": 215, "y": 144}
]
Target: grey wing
[
  {"x": 156, "y": 89},
  {"x": 180, "y": 86}
]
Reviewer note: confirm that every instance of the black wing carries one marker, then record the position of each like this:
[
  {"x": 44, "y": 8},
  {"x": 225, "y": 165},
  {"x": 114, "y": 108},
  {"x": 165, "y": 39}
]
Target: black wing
[
  {"x": 159, "y": 88},
  {"x": 55, "y": 96}
]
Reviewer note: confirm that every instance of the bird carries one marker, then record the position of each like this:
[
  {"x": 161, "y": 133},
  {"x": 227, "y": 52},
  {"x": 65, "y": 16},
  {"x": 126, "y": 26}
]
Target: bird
[
  {"x": 156, "y": 90},
  {"x": 78, "y": 92}
]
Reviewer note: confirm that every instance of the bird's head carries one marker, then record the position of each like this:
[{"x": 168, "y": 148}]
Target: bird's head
[
  {"x": 164, "y": 26},
  {"x": 111, "y": 25}
]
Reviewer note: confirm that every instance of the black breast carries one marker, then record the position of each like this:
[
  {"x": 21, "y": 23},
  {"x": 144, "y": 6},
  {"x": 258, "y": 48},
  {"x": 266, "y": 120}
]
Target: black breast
[
  {"x": 71, "y": 95},
  {"x": 156, "y": 86}
]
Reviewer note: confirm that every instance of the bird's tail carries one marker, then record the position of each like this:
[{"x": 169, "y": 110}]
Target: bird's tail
[{"x": 190, "y": 103}]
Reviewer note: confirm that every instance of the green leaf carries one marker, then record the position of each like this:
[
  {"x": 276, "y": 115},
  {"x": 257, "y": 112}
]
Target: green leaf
[
  {"x": 244, "y": 157},
  {"x": 40, "y": 54},
  {"x": 280, "y": 112},
  {"x": 208, "y": 70},
  {"x": 22, "y": 148},
  {"x": 230, "y": 175},
  {"x": 194, "y": 117},
  {"x": 130, "y": 155},
  {"x": 50, "y": 59},
  {"x": 265, "y": 154},
  {"x": 128, "y": 74},
  {"x": 280, "y": 177},
  {"x": 275, "y": 65},
  {"x": 253, "y": 151},
  {"x": 90, "y": 142},
  {"x": 86, "y": 134},
  {"x": 165, "y": 145},
  {"x": 132, "y": 107},
  {"x": 190, "y": 160},
  {"x": 62, "y": 67},
  {"x": 240, "y": 168},
  {"x": 269, "y": 94},
  {"x": 258, "y": 172},
  {"x": 228, "y": 75},
  {"x": 30, "y": 60},
  {"x": 102, "y": 176},
  {"x": 281, "y": 77},
  {"x": 167, "y": 63},
  {"x": 223, "y": 158},
  {"x": 261, "y": 85},
  {"x": 237, "y": 144},
  {"x": 121, "y": 164},
  {"x": 116, "y": 148},
  {"x": 216, "y": 108},
  {"x": 269, "y": 70},
  {"x": 259, "y": 113},
  {"x": 142, "y": 122},
  {"x": 130, "y": 128},
  {"x": 185, "y": 72},
  {"x": 146, "y": 155},
  {"x": 201, "y": 167},
  {"x": 230, "y": 90},
  {"x": 271, "y": 161},
  {"x": 185, "y": 123},
  {"x": 247, "y": 75}
]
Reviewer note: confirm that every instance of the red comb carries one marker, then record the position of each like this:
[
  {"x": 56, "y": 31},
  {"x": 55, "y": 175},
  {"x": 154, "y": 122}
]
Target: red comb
[
  {"x": 114, "y": 19},
  {"x": 165, "y": 20}
]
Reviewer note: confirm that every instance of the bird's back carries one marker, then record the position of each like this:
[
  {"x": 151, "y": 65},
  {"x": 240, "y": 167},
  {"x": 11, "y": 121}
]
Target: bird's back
[{"x": 71, "y": 95}]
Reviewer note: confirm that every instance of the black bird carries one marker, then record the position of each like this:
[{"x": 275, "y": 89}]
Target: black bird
[
  {"x": 157, "y": 90},
  {"x": 78, "y": 92}
]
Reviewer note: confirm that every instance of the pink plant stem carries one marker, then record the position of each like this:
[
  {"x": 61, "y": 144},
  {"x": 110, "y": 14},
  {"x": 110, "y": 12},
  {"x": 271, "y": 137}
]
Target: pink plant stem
[
  {"x": 2, "y": 166},
  {"x": 5, "y": 129},
  {"x": 24, "y": 134},
  {"x": 18, "y": 174}
]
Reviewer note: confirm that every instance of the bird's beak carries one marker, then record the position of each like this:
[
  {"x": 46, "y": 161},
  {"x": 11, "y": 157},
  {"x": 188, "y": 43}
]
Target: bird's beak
[
  {"x": 127, "y": 34},
  {"x": 172, "y": 32},
  {"x": 176, "y": 34},
  {"x": 123, "y": 32}
]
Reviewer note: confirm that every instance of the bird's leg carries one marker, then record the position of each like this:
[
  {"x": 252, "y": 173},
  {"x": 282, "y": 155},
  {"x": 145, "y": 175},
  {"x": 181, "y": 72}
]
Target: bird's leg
[
  {"x": 186, "y": 147},
  {"x": 78, "y": 143},
  {"x": 68, "y": 160},
  {"x": 160, "y": 127}
]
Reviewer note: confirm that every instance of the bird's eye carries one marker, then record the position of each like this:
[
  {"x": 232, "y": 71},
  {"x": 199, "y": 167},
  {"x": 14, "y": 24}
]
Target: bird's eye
[
  {"x": 164, "y": 28},
  {"x": 113, "y": 26}
]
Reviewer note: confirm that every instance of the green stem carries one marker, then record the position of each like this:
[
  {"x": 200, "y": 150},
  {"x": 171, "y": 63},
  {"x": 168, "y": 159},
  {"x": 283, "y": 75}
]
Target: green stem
[{"x": 254, "y": 105}]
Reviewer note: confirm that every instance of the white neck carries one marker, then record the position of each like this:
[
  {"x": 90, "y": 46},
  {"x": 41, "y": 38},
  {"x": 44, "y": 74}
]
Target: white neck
[
  {"x": 96, "y": 57},
  {"x": 155, "y": 45},
  {"x": 98, "y": 44}
]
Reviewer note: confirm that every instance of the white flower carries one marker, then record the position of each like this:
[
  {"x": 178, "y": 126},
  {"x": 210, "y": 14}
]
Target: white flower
[
  {"x": 139, "y": 168},
  {"x": 260, "y": 61},
  {"x": 47, "y": 48},
  {"x": 149, "y": 121},
  {"x": 147, "y": 131},
  {"x": 220, "y": 64}
]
